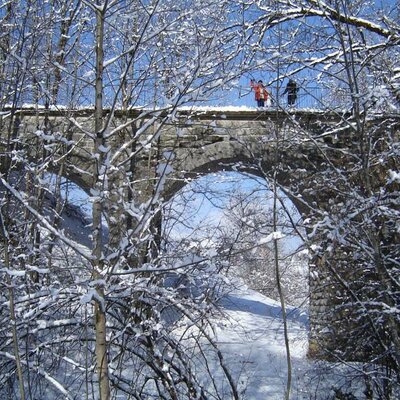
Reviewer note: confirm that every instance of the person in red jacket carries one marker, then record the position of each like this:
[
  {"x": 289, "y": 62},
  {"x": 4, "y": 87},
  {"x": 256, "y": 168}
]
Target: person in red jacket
[{"x": 260, "y": 92}]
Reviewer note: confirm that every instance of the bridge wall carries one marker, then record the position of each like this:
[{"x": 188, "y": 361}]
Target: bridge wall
[{"x": 191, "y": 146}]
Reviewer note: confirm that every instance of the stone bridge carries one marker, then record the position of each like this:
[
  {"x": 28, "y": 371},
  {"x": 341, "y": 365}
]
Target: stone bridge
[
  {"x": 199, "y": 141},
  {"x": 187, "y": 144}
]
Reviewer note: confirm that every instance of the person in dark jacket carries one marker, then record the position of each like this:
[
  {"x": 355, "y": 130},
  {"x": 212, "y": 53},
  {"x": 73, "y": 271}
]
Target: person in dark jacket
[{"x": 291, "y": 90}]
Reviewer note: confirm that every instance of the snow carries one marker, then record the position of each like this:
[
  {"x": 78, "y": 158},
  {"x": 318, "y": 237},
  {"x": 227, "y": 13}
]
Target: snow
[
  {"x": 38, "y": 270},
  {"x": 218, "y": 108},
  {"x": 252, "y": 342},
  {"x": 13, "y": 272},
  {"x": 270, "y": 237},
  {"x": 394, "y": 176},
  {"x": 164, "y": 169},
  {"x": 92, "y": 294}
]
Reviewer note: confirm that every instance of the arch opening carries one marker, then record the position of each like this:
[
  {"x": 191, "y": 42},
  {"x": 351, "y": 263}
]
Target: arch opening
[{"x": 229, "y": 216}]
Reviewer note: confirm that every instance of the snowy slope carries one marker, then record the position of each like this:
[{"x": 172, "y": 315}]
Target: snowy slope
[{"x": 252, "y": 340}]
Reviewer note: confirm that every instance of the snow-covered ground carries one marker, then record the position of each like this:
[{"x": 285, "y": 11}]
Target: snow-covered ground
[{"x": 252, "y": 341}]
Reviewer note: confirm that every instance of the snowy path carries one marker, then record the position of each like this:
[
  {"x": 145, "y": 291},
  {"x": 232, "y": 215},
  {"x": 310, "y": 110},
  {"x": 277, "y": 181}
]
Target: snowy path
[{"x": 252, "y": 341}]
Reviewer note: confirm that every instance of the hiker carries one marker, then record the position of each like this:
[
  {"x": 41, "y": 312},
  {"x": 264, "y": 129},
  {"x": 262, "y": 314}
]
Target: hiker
[
  {"x": 260, "y": 92},
  {"x": 291, "y": 90}
]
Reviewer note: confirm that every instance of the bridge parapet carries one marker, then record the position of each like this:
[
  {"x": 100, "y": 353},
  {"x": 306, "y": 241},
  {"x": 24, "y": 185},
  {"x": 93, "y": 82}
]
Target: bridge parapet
[{"x": 196, "y": 135}]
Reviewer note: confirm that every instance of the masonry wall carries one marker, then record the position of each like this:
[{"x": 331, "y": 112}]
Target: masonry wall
[{"x": 192, "y": 146}]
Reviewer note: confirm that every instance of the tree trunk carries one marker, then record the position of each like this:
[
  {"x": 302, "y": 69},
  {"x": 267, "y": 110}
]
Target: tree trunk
[
  {"x": 101, "y": 349},
  {"x": 98, "y": 206}
]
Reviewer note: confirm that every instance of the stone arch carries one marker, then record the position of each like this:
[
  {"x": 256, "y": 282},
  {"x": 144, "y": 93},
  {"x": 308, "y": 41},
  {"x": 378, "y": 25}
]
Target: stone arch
[
  {"x": 231, "y": 155},
  {"x": 83, "y": 181},
  {"x": 195, "y": 224}
]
